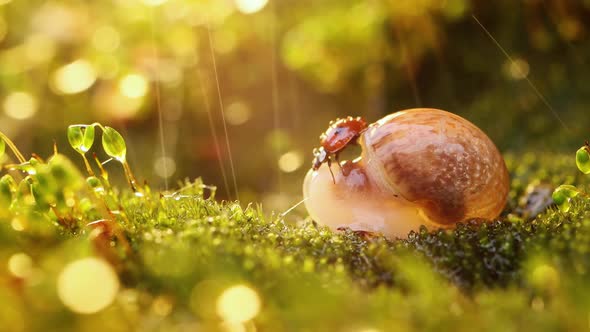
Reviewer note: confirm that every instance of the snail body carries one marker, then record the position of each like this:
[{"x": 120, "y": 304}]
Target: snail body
[{"x": 417, "y": 167}]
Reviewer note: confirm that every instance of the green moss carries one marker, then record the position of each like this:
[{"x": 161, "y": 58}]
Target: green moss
[{"x": 176, "y": 254}]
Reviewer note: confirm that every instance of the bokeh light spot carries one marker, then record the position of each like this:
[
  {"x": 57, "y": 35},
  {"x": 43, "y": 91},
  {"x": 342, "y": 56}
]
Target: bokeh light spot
[
  {"x": 237, "y": 113},
  {"x": 17, "y": 225},
  {"x": 75, "y": 77},
  {"x": 570, "y": 29},
  {"x": 290, "y": 161},
  {"x": 165, "y": 167},
  {"x": 59, "y": 21},
  {"x": 20, "y": 105},
  {"x": 134, "y": 86},
  {"x": 517, "y": 69},
  {"x": 238, "y": 304},
  {"x": 545, "y": 276},
  {"x": 87, "y": 285},
  {"x": 20, "y": 265},
  {"x": 250, "y": 6}
]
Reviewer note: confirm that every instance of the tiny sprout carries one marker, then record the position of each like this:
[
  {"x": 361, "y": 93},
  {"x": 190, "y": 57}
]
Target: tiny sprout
[
  {"x": 114, "y": 144},
  {"x": 562, "y": 196},
  {"x": 583, "y": 159},
  {"x": 81, "y": 137}
]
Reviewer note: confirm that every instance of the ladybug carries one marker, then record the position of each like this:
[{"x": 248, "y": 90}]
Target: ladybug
[{"x": 336, "y": 138}]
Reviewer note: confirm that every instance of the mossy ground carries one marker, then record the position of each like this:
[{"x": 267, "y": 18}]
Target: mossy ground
[{"x": 176, "y": 254}]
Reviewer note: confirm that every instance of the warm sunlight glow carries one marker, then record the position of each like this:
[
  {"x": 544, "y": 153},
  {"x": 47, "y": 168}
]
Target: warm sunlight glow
[
  {"x": 106, "y": 39},
  {"x": 17, "y": 225},
  {"x": 20, "y": 265},
  {"x": 545, "y": 276},
  {"x": 134, "y": 86},
  {"x": 238, "y": 304},
  {"x": 20, "y": 105},
  {"x": 87, "y": 285},
  {"x": 250, "y": 6},
  {"x": 75, "y": 77},
  {"x": 39, "y": 48},
  {"x": 232, "y": 327},
  {"x": 518, "y": 69},
  {"x": 113, "y": 104},
  {"x": 290, "y": 161},
  {"x": 237, "y": 113},
  {"x": 154, "y": 2},
  {"x": 165, "y": 167}
]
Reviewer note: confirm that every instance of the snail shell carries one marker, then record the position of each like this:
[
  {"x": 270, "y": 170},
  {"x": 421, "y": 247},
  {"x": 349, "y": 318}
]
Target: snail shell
[{"x": 418, "y": 167}]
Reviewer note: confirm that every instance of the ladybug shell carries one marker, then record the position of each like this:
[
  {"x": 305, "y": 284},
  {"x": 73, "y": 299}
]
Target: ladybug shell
[{"x": 341, "y": 133}]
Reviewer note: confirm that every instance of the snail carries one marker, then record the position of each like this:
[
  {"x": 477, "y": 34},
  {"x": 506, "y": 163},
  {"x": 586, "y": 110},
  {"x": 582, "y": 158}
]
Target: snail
[{"x": 417, "y": 167}]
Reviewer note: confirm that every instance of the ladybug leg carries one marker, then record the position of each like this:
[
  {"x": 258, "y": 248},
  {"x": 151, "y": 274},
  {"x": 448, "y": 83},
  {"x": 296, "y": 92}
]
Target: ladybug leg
[
  {"x": 336, "y": 156},
  {"x": 330, "y": 169}
]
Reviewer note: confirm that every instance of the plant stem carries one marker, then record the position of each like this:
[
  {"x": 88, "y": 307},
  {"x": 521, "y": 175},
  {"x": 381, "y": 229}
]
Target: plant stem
[
  {"x": 130, "y": 178},
  {"x": 103, "y": 172},
  {"x": 13, "y": 147},
  {"x": 88, "y": 168}
]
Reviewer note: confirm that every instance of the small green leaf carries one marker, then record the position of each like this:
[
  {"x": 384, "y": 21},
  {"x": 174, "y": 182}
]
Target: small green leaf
[
  {"x": 88, "y": 138},
  {"x": 81, "y": 137},
  {"x": 562, "y": 196},
  {"x": 75, "y": 136},
  {"x": 568, "y": 190},
  {"x": 583, "y": 160},
  {"x": 558, "y": 197},
  {"x": 2, "y": 147},
  {"x": 114, "y": 144}
]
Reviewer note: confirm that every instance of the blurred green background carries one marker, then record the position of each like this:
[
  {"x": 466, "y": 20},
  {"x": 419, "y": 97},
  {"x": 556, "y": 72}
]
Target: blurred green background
[{"x": 160, "y": 71}]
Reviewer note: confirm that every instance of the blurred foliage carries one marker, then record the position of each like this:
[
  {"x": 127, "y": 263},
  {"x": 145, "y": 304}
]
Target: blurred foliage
[
  {"x": 80, "y": 254},
  {"x": 152, "y": 68}
]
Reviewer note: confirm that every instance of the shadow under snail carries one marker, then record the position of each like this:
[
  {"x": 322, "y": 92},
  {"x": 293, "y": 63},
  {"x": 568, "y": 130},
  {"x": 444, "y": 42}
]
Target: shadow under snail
[{"x": 417, "y": 167}]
